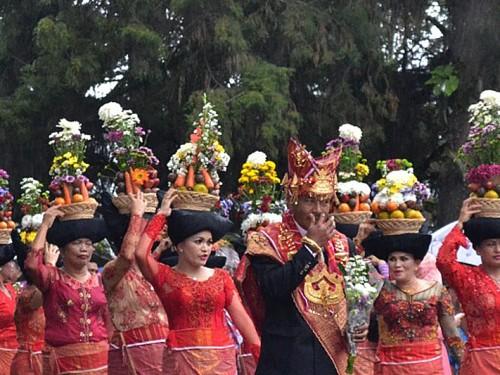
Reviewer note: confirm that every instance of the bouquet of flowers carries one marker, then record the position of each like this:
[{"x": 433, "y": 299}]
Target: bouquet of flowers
[
  {"x": 353, "y": 195},
  {"x": 34, "y": 201},
  {"x": 6, "y": 200},
  {"x": 398, "y": 194},
  {"x": 362, "y": 287},
  {"x": 196, "y": 164},
  {"x": 69, "y": 185},
  {"x": 480, "y": 154},
  {"x": 132, "y": 163}
]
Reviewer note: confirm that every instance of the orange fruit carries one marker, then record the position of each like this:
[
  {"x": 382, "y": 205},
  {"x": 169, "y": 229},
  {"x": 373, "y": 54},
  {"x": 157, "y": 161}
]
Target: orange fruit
[
  {"x": 77, "y": 198},
  {"x": 344, "y": 207},
  {"x": 3, "y": 225},
  {"x": 397, "y": 214},
  {"x": 383, "y": 215},
  {"x": 375, "y": 207},
  {"x": 59, "y": 201},
  {"x": 11, "y": 224},
  {"x": 392, "y": 206},
  {"x": 364, "y": 207}
]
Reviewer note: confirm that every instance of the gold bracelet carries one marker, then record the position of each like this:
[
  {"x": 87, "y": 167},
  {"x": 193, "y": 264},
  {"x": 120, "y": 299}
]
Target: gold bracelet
[{"x": 313, "y": 244}]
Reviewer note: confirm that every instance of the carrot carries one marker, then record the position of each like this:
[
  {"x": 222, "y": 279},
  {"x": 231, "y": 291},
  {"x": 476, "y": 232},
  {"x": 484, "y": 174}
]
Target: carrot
[
  {"x": 209, "y": 183},
  {"x": 190, "y": 177},
  {"x": 135, "y": 188},
  {"x": 84, "y": 191},
  {"x": 180, "y": 180},
  {"x": 128, "y": 183},
  {"x": 356, "y": 207},
  {"x": 66, "y": 193}
]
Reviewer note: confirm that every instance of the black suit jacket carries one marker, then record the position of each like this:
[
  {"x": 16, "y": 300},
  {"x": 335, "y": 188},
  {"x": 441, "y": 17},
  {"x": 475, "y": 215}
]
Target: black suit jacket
[{"x": 289, "y": 347}]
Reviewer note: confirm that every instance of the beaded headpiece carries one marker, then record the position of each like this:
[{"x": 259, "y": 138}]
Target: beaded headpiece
[{"x": 308, "y": 176}]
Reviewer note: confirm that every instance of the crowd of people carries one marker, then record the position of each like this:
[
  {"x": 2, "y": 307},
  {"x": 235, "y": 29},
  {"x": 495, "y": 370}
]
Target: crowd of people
[{"x": 283, "y": 312}]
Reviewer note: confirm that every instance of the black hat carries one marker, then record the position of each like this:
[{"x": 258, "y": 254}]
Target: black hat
[
  {"x": 63, "y": 232},
  {"x": 116, "y": 222},
  {"x": 6, "y": 254},
  {"x": 482, "y": 228},
  {"x": 416, "y": 244},
  {"x": 185, "y": 223},
  {"x": 350, "y": 230}
]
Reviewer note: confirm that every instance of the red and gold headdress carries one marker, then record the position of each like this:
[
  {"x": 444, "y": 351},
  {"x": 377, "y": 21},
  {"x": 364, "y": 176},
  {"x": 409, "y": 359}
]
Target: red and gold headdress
[{"x": 308, "y": 176}]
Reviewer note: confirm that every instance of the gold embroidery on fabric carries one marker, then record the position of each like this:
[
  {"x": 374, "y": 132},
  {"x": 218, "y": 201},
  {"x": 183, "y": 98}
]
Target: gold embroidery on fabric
[{"x": 323, "y": 288}]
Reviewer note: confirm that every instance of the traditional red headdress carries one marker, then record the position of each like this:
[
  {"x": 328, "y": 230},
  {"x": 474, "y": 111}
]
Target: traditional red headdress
[{"x": 308, "y": 176}]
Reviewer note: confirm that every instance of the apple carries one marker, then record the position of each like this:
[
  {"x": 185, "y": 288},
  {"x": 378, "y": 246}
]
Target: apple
[
  {"x": 489, "y": 185},
  {"x": 473, "y": 186}
]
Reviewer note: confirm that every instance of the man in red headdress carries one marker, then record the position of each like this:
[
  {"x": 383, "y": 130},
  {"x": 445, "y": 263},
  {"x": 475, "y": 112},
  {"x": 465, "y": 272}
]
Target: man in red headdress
[{"x": 299, "y": 304}]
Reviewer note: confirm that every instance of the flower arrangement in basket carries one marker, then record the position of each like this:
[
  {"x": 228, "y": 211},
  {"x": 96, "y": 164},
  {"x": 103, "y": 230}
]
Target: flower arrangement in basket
[
  {"x": 132, "y": 163},
  {"x": 260, "y": 202},
  {"x": 399, "y": 197},
  {"x": 480, "y": 154},
  {"x": 196, "y": 164},
  {"x": 34, "y": 201},
  {"x": 6, "y": 200},
  {"x": 353, "y": 194},
  {"x": 69, "y": 186}
]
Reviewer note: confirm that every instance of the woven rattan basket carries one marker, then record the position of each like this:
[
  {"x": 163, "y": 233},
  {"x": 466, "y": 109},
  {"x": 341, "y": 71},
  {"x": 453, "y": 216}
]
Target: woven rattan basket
[
  {"x": 78, "y": 211},
  {"x": 192, "y": 200},
  {"x": 356, "y": 217},
  {"x": 122, "y": 203},
  {"x": 489, "y": 207},
  {"x": 5, "y": 236},
  {"x": 399, "y": 226}
]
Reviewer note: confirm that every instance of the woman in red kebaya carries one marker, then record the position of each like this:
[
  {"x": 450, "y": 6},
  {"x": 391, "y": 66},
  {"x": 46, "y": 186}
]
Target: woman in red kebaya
[
  {"x": 8, "y": 341},
  {"x": 194, "y": 296},
  {"x": 73, "y": 299},
  {"x": 138, "y": 317},
  {"x": 477, "y": 288}
]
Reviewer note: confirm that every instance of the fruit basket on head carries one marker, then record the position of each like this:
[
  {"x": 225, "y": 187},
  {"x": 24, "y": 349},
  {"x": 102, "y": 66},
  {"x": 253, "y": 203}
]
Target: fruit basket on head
[
  {"x": 132, "y": 164},
  {"x": 194, "y": 168},
  {"x": 479, "y": 156},
  {"x": 353, "y": 204},
  {"x": 6, "y": 200},
  {"x": 34, "y": 200},
  {"x": 399, "y": 197},
  {"x": 69, "y": 187}
]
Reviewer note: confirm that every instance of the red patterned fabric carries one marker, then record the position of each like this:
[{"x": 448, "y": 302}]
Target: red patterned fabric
[
  {"x": 30, "y": 323},
  {"x": 75, "y": 312},
  {"x": 7, "y": 325},
  {"x": 195, "y": 308},
  {"x": 477, "y": 292},
  {"x": 409, "y": 329},
  {"x": 406, "y": 319}
]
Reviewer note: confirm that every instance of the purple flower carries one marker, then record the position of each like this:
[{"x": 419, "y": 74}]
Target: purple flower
[
  {"x": 139, "y": 131},
  {"x": 82, "y": 178},
  {"x": 4, "y": 174},
  {"x": 483, "y": 173},
  {"x": 467, "y": 147},
  {"x": 113, "y": 136},
  {"x": 69, "y": 179}
]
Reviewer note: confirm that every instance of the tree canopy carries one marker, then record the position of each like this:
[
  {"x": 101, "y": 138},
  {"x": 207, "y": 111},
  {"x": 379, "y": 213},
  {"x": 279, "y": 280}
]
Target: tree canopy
[{"x": 404, "y": 71}]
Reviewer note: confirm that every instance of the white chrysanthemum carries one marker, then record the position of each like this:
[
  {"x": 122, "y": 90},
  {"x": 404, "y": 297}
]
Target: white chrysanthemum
[
  {"x": 355, "y": 187},
  {"x": 72, "y": 127},
  {"x": 254, "y": 220},
  {"x": 400, "y": 177},
  {"x": 36, "y": 221},
  {"x": 26, "y": 221},
  {"x": 257, "y": 158},
  {"x": 350, "y": 132},
  {"x": 109, "y": 111},
  {"x": 491, "y": 97}
]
